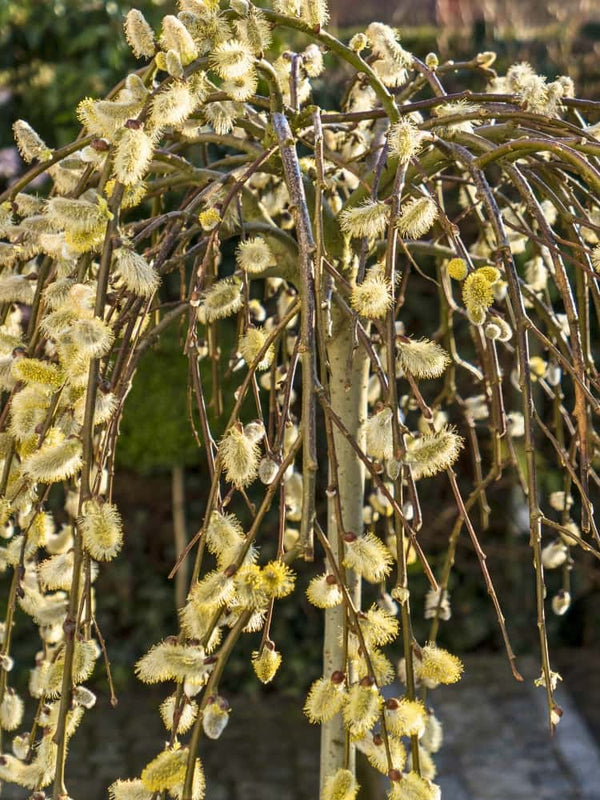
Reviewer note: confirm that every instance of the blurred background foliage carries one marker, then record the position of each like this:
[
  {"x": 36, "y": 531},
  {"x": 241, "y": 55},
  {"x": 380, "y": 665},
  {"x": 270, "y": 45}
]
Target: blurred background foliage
[{"x": 52, "y": 54}]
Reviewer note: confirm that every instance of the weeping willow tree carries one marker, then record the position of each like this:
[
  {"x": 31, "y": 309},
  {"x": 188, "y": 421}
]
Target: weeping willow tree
[{"x": 409, "y": 280}]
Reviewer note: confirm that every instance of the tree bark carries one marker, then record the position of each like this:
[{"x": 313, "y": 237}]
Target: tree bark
[
  {"x": 179, "y": 532},
  {"x": 348, "y": 383}
]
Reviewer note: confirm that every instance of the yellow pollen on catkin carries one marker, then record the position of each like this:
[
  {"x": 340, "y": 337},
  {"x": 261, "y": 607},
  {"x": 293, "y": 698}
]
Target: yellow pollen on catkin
[
  {"x": 439, "y": 666},
  {"x": 209, "y": 218},
  {"x": 325, "y": 699},
  {"x": 362, "y": 709},
  {"x": 36, "y": 372},
  {"x": 413, "y": 787},
  {"x": 341, "y": 785},
  {"x": 250, "y": 590},
  {"x": 165, "y": 771},
  {"x": 278, "y": 579},
  {"x": 491, "y": 274},
  {"x": 250, "y": 345},
  {"x": 457, "y": 269},
  {"x": 266, "y": 663},
  {"x": 368, "y": 556},
  {"x": 405, "y": 717},
  {"x": 477, "y": 292}
]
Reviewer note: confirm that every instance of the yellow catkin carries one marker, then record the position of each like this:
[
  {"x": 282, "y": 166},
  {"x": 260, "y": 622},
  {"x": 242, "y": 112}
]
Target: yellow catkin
[
  {"x": 491, "y": 274},
  {"x": 223, "y": 299},
  {"x": 439, "y": 665},
  {"x": 368, "y": 556},
  {"x": 405, "y": 717},
  {"x": 417, "y": 217},
  {"x": 173, "y": 661},
  {"x": 375, "y": 750},
  {"x": 209, "y": 218},
  {"x": 29, "y": 143},
  {"x": 139, "y": 34},
  {"x": 278, "y": 579},
  {"x": 265, "y": 663},
  {"x": 341, "y": 785},
  {"x": 323, "y": 591},
  {"x": 101, "y": 529},
  {"x": 370, "y": 219},
  {"x": 434, "y": 452},
  {"x": 165, "y": 771},
  {"x": 39, "y": 373},
  {"x": 186, "y": 718},
  {"x": 254, "y": 255},
  {"x": 457, "y": 269},
  {"x": 133, "y": 153},
  {"x": 54, "y": 462},
  {"x": 325, "y": 699},
  {"x": 362, "y": 708},
  {"x": 251, "y": 344},
  {"x": 373, "y": 297},
  {"x": 405, "y": 140},
  {"x": 421, "y": 358},
  {"x": 240, "y": 456},
  {"x": 231, "y": 59},
  {"x": 412, "y": 787},
  {"x": 477, "y": 293}
]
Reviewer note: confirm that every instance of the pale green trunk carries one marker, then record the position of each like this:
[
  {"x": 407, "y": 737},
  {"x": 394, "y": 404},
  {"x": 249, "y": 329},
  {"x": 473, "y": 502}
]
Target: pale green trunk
[
  {"x": 348, "y": 392},
  {"x": 179, "y": 532}
]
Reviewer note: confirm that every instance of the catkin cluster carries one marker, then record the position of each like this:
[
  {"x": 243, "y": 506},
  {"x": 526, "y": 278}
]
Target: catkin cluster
[{"x": 308, "y": 256}]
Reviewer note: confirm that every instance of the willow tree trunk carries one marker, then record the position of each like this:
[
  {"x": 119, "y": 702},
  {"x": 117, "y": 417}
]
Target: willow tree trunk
[
  {"x": 179, "y": 532},
  {"x": 348, "y": 384}
]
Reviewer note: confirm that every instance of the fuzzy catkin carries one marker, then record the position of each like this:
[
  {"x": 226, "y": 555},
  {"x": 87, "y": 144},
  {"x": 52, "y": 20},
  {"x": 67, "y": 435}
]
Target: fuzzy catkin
[
  {"x": 341, "y": 785},
  {"x": 139, "y": 34},
  {"x": 240, "y": 457},
  {"x": 265, "y": 663},
  {"x": 101, "y": 529},
  {"x": 133, "y": 153},
  {"x": 370, "y": 219}
]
